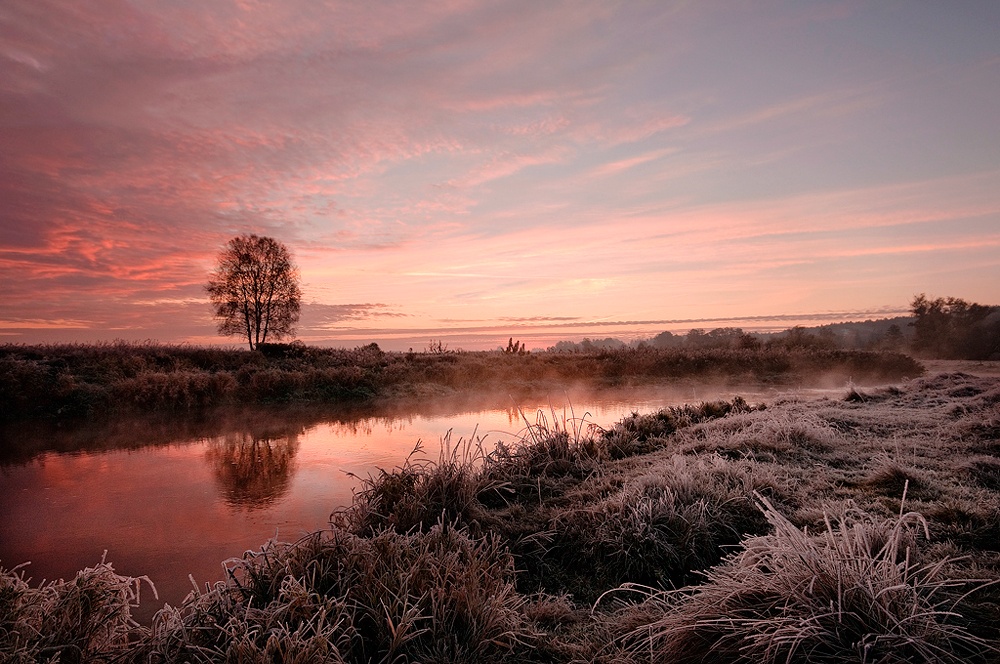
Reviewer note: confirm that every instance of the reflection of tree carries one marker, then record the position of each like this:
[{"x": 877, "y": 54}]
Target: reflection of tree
[{"x": 253, "y": 471}]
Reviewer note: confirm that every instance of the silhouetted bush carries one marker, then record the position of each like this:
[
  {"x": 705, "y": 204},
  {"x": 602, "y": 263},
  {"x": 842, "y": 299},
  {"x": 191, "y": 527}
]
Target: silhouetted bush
[{"x": 293, "y": 350}]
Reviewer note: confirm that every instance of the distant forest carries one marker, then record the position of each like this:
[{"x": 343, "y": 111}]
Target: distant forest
[{"x": 943, "y": 328}]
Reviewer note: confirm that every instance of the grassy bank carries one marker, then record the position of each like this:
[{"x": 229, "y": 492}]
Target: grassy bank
[
  {"x": 58, "y": 382},
  {"x": 855, "y": 529}
]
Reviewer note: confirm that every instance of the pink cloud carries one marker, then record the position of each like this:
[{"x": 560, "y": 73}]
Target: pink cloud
[
  {"x": 615, "y": 167},
  {"x": 505, "y": 164},
  {"x": 517, "y": 141}
]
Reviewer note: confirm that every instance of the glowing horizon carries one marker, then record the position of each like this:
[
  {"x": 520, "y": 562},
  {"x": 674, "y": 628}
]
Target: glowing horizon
[{"x": 471, "y": 171}]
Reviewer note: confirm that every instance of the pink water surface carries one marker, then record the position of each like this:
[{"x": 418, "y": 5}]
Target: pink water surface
[{"x": 175, "y": 510}]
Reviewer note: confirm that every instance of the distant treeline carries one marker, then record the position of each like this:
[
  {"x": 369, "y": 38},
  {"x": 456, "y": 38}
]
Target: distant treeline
[
  {"x": 952, "y": 328},
  {"x": 59, "y": 381},
  {"x": 893, "y": 334},
  {"x": 944, "y": 328}
]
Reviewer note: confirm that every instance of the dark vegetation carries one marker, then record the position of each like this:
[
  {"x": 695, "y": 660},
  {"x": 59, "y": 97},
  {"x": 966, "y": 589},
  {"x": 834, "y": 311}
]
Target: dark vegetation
[
  {"x": 943, "y": 328},
  {"x": 74, "y": 381},
  {"x": 855, "y": 529},
  {"x": 951, "y": 328},
  {"x": 67, "y": 381}
]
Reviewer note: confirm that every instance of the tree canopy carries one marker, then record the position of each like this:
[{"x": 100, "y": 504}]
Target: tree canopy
[
  {"x": 952, "y": 328},
  {"x": 255, "y": 290}
]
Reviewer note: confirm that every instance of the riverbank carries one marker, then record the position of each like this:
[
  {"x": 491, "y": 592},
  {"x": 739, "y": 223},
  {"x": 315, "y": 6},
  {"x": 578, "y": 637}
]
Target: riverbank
[
  {"x": 79, "y": 381},
  {"x": 855, "y": 528}
]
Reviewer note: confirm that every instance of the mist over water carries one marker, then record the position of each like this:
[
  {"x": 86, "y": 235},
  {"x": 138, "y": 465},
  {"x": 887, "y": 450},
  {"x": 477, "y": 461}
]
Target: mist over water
[{"x": 174, "y": 501}]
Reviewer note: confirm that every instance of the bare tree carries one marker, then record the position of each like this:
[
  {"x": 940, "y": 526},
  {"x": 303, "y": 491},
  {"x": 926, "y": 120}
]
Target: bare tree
[{"x": 255, "y": 290}]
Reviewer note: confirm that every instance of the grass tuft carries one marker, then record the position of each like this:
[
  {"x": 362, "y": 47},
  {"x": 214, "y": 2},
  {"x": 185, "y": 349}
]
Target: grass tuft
[
  {"x": 421, "y": 492},
  {"x": 895, "y": 479},
  {"x": 855, "y": 593},
  {"x": 86, "y": 619},
  {"x": 677, "y": 518}
]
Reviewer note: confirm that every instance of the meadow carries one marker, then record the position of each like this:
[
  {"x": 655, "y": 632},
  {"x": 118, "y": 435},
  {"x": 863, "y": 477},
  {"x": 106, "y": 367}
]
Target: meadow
[
  {"x": 859, "y": 528},
  {"x": 63, "y": 382}
]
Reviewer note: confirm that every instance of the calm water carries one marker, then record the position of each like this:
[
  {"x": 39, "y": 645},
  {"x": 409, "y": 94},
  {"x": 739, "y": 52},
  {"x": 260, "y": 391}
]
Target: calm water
[{"x": 174, "y": 499}]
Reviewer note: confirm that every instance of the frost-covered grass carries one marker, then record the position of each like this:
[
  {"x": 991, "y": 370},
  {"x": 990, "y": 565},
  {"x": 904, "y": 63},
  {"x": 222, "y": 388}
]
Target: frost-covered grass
[
  {"x": 862, "y": 590},
  {"x": 88, "y": 618},
  {"x": 862, "y": 528}
]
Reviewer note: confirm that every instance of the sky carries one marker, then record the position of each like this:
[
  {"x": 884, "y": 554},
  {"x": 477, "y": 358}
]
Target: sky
[{"x": 469, "y": 171}]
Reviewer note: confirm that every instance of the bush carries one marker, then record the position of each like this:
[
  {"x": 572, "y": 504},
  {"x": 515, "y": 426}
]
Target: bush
[
  {"x": 274, "y": 385},
  {"x": 293, "y": 350},
  {"x": 177, "y": 390}
]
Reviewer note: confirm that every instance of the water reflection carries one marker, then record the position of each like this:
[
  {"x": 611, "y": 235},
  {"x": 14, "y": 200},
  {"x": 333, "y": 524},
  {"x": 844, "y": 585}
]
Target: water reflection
[
  {"x": 173, "y": 496},
  {"x": 253, "y": 471},
  {"x": 23, "y": 441}
]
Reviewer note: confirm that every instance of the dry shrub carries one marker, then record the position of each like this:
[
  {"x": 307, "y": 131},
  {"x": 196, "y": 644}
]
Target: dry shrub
[
  {"x": 178, "y": 389},
  {"x": 550, "y": 610},
  {"x": 86, "y": 619},
  {"x": 856, "y": 593},
  {"x": 439, "y": 596},
  {"x": 275, "y": 384},
  {"x": 553, "y": 454}
]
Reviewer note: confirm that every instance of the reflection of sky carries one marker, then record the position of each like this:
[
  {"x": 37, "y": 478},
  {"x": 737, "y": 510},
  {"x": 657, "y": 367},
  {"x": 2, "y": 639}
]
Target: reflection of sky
[
  {"x": 588, "y": 164},
  {"x": 162, "y": 511}
]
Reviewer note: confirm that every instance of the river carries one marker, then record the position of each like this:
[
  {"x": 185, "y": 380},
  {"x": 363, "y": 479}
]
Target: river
[{"x": 172, "y": 499}]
